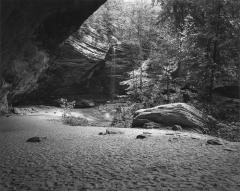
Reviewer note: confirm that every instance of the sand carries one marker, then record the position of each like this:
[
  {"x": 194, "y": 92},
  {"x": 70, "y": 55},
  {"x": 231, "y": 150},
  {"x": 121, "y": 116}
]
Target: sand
[{"x": 77, "y": 158}]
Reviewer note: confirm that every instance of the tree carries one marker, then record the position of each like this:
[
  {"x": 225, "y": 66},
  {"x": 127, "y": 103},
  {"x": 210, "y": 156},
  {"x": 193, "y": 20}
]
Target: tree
[{"x": 210, "y": 31}]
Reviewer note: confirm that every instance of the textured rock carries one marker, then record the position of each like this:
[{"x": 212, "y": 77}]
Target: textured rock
[
  {"x": 79, "y": 74},
  {"x": 90, "y": 43},
  {"x": 36, "y": 139},
  {"x": 214, "y": 142},
  {"x": 114, "y": 131},
  {"x": 143, "y": 136},
  {"x": 111, "y": 132},
  {"x": 175, "y": 114}
]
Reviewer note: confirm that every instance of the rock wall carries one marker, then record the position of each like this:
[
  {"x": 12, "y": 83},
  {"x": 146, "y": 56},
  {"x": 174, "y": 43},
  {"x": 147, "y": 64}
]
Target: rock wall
[
  {"x": 31, "y": 30},
  {"x": 82, "y": 69}
]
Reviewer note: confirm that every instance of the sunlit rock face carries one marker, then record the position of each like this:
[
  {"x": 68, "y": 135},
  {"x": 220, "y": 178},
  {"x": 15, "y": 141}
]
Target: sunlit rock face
[
  {"x": 30, "y": 33},
  {"x": 90, "y": 43}
]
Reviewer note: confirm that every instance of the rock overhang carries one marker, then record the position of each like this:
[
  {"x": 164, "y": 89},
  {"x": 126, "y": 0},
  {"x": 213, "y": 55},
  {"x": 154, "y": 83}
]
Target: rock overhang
[{"x": 31, "y": 30}]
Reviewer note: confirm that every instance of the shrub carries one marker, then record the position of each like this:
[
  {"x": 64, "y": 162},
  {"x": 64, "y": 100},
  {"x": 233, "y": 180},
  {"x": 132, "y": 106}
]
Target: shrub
[
  {"x": 75, "y": 121},
  {"x": 230, "y": 131},
  {"x": 124, "y": 113},
  {"x": 67, "y": 117},
  {"x": 67, "y": 107}
]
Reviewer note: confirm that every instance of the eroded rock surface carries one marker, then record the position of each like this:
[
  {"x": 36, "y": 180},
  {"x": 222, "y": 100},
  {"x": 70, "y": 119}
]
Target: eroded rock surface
[{"x": 181, "y": 114}]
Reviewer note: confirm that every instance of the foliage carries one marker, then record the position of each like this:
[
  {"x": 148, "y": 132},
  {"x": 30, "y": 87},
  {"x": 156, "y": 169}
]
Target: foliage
[
  {"x": 228, "y": 131},
  {"x": 209, "y": 33},
  {"x": 194, "y": 48},
  {"x": 67, "y": 107},
  {"x": 124, "y": 114},
  {"x": 67, "y": 116},
  {"x": 75, "y": 121}
]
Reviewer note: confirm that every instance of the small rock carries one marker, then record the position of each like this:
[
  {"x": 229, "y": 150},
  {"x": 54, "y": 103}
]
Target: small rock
[
  {"x": 141, "y": 136},
  {"x": 113, "y": 131},
  {"x": 177, "y": 128},
  {"x": 214, "y": 142},
  {"x": 174, "y": 139},
  {"x": 36, "y": 139},
  {"x": 144, "y": 135},
  {"x": 194, "y": 138}
]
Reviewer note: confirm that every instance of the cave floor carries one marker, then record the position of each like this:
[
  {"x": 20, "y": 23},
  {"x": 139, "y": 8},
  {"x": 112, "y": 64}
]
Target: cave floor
[{"x": 77, "y": 158}]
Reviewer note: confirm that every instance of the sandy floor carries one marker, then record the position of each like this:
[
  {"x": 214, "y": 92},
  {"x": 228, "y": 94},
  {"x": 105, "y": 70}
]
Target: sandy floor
[{"x": 77, "y": 158}]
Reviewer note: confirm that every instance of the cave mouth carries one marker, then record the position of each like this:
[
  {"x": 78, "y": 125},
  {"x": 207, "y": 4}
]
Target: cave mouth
[
  {"x": 31, "y": 34},
  {"x": 79, "y": 70}
]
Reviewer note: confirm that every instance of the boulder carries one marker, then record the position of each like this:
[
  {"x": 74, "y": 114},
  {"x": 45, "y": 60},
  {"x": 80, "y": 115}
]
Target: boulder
[
  {"x": 114, "y": 131},
  {"x": 141, "y": 137},
  {"x": 188, "y": 117}
]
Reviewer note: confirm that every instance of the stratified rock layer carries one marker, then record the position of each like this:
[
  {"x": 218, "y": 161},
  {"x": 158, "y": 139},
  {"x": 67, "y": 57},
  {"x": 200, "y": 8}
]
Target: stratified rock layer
[{"x": 175, "y": 114}]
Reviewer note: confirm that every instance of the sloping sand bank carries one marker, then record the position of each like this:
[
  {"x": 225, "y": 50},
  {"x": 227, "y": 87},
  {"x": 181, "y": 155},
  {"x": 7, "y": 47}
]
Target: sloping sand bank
[{"x": 77, "y": 158}]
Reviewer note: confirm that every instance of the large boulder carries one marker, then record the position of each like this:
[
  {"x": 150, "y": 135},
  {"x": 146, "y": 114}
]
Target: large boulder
[{"x": 188, "y": 117}]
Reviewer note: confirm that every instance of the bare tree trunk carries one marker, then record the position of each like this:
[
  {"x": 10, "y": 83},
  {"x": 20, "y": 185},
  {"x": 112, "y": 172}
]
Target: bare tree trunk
[
  {"x": 4, "y": 91},
  {"x": 215, "y": 54},
  {"x": 168, "y": 93}
]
